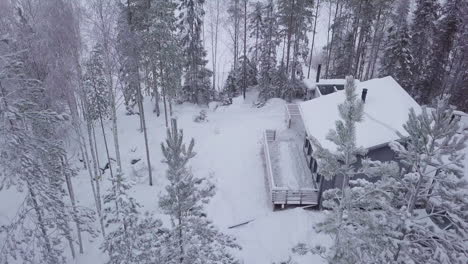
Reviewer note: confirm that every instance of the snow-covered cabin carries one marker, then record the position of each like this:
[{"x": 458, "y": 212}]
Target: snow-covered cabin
[{"x": 386, "y": 109}]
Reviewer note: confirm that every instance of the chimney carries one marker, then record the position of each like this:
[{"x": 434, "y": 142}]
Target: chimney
[
  {"x": 319, "y": 67},
  {"x": 364, "y": 95}
]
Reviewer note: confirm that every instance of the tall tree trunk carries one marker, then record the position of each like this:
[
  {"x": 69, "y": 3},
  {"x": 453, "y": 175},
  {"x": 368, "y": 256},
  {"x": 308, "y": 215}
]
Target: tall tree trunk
[
  {"x": 373, "y": 45},
  {"x": 214, "y": 46},
  {"x": 313, "y": 38},
  {"x": 327, "y": 68},
  {"x": 73, "y": 203},
  {"x": 244, "y": 88},
  {"x": 142, "y": 116},
  {"x": 289, "y": 34},
  {"x": 377, "y": 50},
  {"x": 115, "y": 131},
  {"x": 93, "y": 177},
  {"x": 155, "y": 92},
  {"x": 40, "y": 219},
  {"x": 236, "y": 34},
  {"x": 164, "y": 96}
]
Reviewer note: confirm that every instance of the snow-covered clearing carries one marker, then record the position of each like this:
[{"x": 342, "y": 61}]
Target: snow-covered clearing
[{"x": 228, "y": 150}]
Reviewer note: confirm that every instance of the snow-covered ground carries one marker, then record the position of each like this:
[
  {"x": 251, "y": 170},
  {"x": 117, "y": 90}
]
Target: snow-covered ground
[{"x": 228, "y": 150}]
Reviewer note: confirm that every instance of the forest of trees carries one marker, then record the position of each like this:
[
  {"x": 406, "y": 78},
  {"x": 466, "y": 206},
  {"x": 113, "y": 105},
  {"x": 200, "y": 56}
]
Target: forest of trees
[{"x": 64, "y": 64}]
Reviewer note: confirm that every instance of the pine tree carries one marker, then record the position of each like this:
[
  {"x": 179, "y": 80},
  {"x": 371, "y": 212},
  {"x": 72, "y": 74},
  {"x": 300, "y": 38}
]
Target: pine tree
[
  {"x": 133, "y": 238},
  {"x": 196, "y": 87},
  {"x": 255, "y": 25},
  {"x": 128, "y": 44},
  {"x": 163, "y": 51},
  {"x": 231, "y": 88},
  {"x": 423, "y": 31},
  {"x": 235, "y": 12},
  {"x": 267, "y": 60},
  {"x": 249, "y": 74},
  {"x": 235, "y": 80},
  {"x": 432, "y": 154},
  {"x": 33, "y": 159},
  {"x": 96, "y": 85},
  {"x": 295, "y": 20},
  {"x": 193, "y": 238},
  {"x": 359, "y": 208},
  {"x": 459, "y": 65},
  {"x": 444, "y": 40},
  {"x": 397, "y": 59}
]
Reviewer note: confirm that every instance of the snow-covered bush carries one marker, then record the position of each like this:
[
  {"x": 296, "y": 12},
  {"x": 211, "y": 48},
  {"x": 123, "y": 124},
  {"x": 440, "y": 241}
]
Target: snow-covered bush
[{"x": 201, "y": 117}]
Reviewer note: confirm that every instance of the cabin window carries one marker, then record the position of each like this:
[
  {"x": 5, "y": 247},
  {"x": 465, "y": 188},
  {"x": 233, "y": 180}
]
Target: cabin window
[
  {"x": 318, "y": 178},
  {"x": 314, "y": 167}
]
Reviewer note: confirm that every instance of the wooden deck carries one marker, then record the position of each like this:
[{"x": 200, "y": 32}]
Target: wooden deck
[{"x": 286, "y": 195}]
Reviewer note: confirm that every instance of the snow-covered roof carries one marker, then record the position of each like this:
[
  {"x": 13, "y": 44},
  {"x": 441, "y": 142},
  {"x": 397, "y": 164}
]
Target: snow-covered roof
[
  {"x": 386, "y": 110},
  {"x": 311, "y": 84}
]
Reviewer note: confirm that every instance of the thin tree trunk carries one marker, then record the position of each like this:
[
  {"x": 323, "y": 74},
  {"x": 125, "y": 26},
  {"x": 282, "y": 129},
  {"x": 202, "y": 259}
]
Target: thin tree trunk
[
  {"x": 214, "y": 45},
  {"x": 374, "y": 44},
  {"x": 170, "y": 106},
  {"x": 332, "y": 41},
  {"x": 40, "y": 219},
  {"x": 142, "y": 116},
  {"x": 73, "y": 203},
  {"x": 377, "y": 50},
  {"x": 313, "y": 38},
  {"x": 245, "y": 50},
  {"x": 289, "y": 35},
  {"x": 114, "y": 126},
  {"x": 164, "y": 97},
  {"x": 236, "y": 33},
  {"x": 96, "y": 189},
  {"x": 156, "y": 93}
]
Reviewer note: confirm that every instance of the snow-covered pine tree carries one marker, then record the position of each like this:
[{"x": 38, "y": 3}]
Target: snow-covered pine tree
[
  {"x": 235, "y": 80},
  {"x": 104, "y": 14},
  {"x": 231, "y": 88},
  {"x": 164, "y": 51},
  {"x": 193, "y": 238},
  {"x": 440, "y": 62},
  {"x": 255, "y": 25},
  {"x": 96, "y": 86},
  {"x": 250, "y": 72},
  {"x": 33, "y": 160},
  {"x": 196, "y": 86},
  {"x": 360, "y": 219},
  {"x": 423, "y": 31},
  {"x": 459, "y": 65},
  {"x": 235, "y": 12},
  {"x": 295, "y": 20},
  {"x": 127, "y": 45},
  {"x": 397, "y": 59},
  {"x": 132, "y": 238},
  {"x": 432, "y": 155},
  {"x": 267, "y": 57}
]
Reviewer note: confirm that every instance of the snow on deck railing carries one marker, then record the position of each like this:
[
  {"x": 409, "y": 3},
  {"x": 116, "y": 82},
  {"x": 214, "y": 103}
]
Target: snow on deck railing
[
  {"x": 292, "y": 110},
  {"x": 266, "y": 135},
  {"x": 282, "y": 195}
]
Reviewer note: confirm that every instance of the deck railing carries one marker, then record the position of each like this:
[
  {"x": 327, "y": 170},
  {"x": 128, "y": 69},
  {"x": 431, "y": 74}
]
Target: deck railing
[{"x": 282, "y": 195}]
